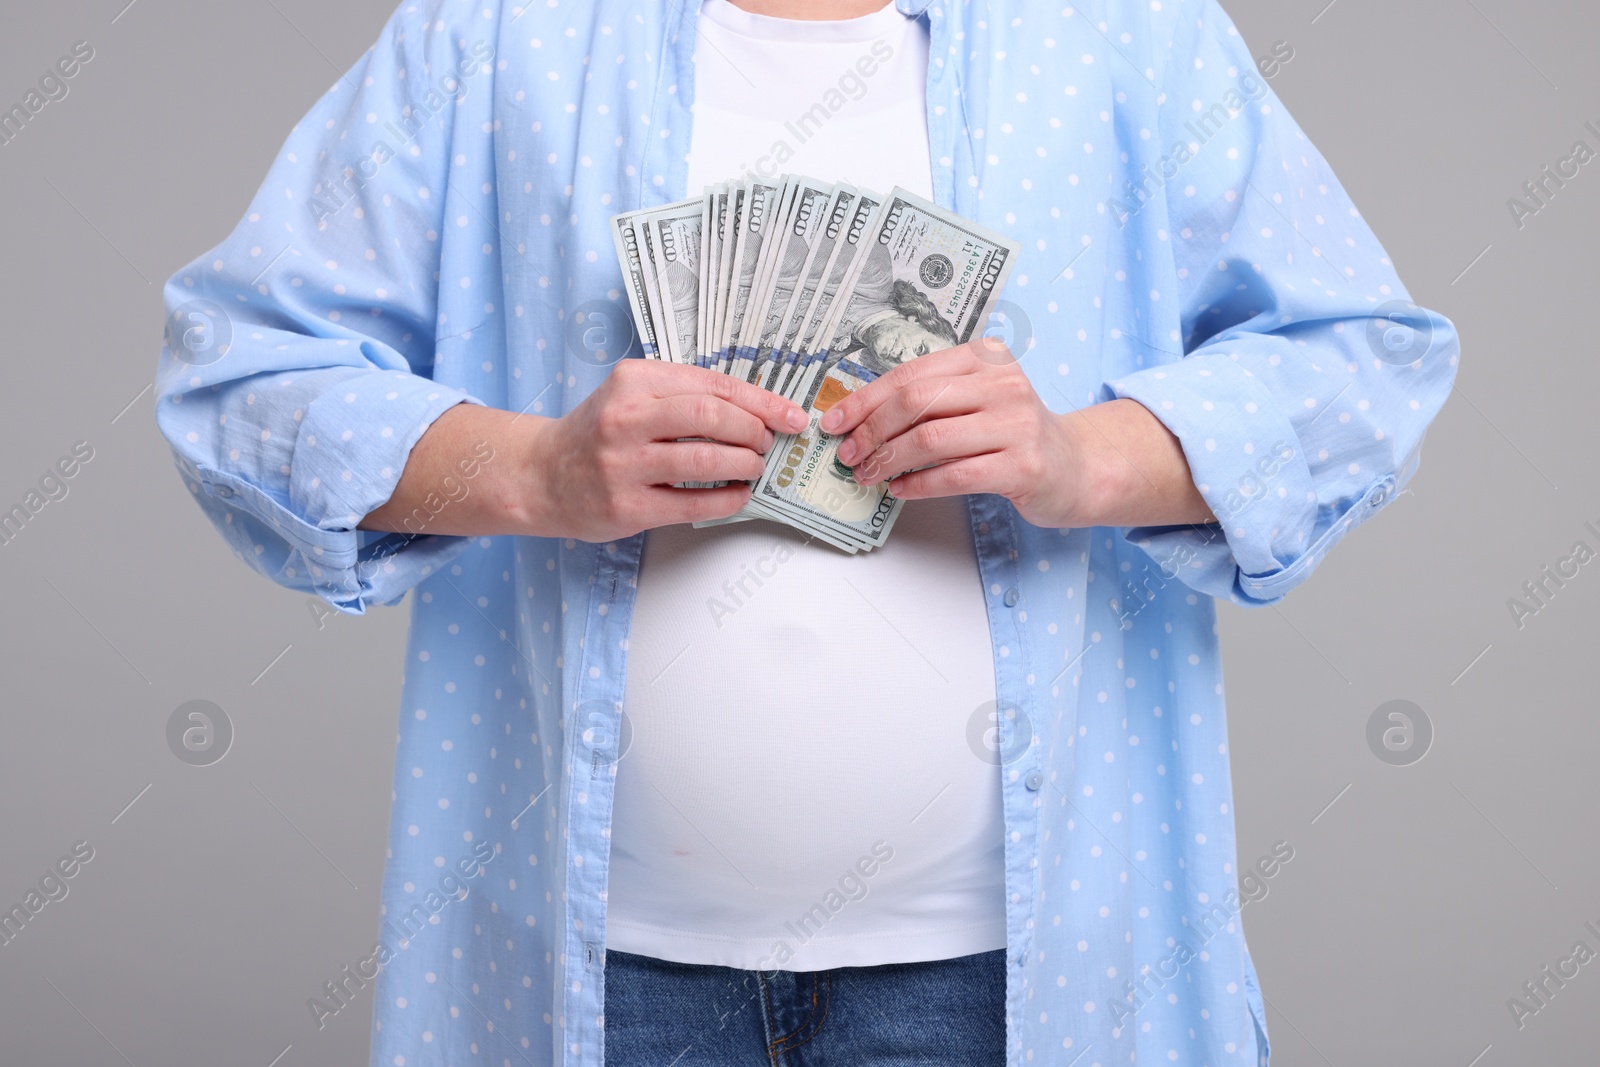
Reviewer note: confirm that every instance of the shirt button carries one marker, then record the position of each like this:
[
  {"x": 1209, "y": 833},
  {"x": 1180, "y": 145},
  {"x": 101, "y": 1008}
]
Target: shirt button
[
  {"x": 1011, "y": 597},
  {"x": 222, "y": 491},
  {"x": 1022, "y": 959},
  {"x": 1377, "y": 496},
  {"x": 1035, "y": 780}
]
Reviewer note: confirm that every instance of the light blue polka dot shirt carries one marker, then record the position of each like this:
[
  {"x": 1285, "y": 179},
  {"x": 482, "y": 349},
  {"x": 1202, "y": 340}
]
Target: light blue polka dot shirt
[{"x": 426, "y": 237}]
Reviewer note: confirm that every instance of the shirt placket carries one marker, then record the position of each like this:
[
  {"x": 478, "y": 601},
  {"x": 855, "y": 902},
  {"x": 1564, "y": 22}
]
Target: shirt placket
[
  {"x": 594, "y": 723},
  {"x": 995, "y": 542},
  {"x": 594, "y": 734},
  {"x": 1018, "y": 720}
]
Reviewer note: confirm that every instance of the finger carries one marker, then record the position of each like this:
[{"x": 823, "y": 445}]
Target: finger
[
  {"x": 849, "y": 412},
  {"x": 704, "y": 415},
  {"x": 664, "y": 507},
  {"x": 780, "y": 413},
  {"x": 929, "y": 398},
  {"x": 667, "y": 464},
  {"x": 935, "y": 441},
  {"x": 974, "y": 474}
]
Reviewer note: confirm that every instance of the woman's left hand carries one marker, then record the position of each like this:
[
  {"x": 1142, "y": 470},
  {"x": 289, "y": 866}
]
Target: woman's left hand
[{"x": 971, "y": 418}]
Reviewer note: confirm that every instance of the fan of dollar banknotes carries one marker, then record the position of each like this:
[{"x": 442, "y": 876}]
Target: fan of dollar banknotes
[{"x": 810, "y": 290}]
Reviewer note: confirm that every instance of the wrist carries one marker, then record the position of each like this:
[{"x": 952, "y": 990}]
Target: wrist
[
  {"x": 1128, "y": 469},
  {"x": 1089, "y": 483},
  {"x": 531, "y": 498}
]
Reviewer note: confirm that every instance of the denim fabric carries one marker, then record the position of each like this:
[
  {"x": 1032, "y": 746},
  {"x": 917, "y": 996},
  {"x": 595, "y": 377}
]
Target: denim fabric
[{"x": 932, "y": 1014}]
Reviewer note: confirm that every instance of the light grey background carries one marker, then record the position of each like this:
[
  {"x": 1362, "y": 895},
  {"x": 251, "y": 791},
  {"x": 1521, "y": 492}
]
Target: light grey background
[{"x": 215, "y": 905}]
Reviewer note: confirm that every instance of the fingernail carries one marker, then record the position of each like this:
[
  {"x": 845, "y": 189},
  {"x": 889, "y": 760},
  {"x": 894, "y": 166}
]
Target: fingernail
[
  {"x": 847, "y": 450},
  {"x": 768, "y": 441},
  {"x": 830, "y": 421},
  {"x": 797, "y": 419}
]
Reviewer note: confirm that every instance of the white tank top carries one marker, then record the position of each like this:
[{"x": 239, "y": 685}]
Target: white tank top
[{"x": 801, "y": 790}]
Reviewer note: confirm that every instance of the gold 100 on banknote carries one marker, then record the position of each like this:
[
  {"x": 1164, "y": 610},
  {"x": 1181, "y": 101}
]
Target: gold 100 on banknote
[{"x": 810, "y": 290}]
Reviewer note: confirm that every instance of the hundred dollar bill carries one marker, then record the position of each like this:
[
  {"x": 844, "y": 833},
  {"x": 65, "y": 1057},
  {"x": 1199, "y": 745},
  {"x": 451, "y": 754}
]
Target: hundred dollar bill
[
  {"x": 755, "y": 227},
  {"x": 712, "y": 286},
  {"x": 755, "y": 314},
  {"x": 724, "y": 280},
  {"x": 674, "y": 236},
  {"x": 836, "y": 279},
  {"x": 850, "y": 214},
  {"x": 702, "y": 290},
  {"x": 829, "y": 224},
  {"x": 717, "y": 242},
  {"x": 926, "y": 281},
  {"x": 631, "y": 256},
  {"x": 652, "y": 307},
  {"x": 804, "y": 223},
  {"x": 725, "y": 271}
]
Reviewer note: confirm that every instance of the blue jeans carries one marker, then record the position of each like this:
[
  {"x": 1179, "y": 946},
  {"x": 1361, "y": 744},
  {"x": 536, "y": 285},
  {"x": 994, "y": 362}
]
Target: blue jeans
[{"x": 943, "y": 1012}]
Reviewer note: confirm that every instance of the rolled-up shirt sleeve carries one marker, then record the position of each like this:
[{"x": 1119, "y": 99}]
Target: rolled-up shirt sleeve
[
  {"x": 297, "y": 370},
  {"x": 1308, "y": 376}
]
